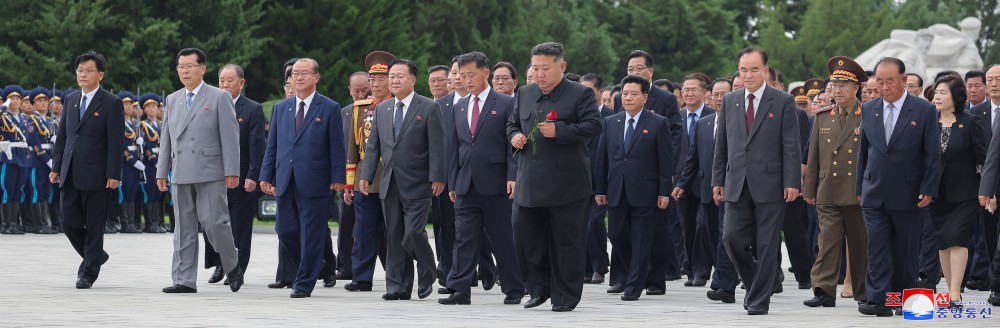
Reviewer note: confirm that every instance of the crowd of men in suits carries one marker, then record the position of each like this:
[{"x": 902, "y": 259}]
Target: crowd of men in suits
[{"x": 526, "y": 184}]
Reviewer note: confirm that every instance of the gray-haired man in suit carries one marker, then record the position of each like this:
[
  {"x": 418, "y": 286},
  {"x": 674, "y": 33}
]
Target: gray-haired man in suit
[
  {"x": 201, "y": 148},
  {"x": 757, "y": 169}
]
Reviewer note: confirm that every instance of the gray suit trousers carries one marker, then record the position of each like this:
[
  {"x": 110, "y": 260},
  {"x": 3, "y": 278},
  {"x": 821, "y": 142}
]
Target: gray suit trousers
[
  {"x": 406, "y": 238},
  {"x": 205, "y": 203}
]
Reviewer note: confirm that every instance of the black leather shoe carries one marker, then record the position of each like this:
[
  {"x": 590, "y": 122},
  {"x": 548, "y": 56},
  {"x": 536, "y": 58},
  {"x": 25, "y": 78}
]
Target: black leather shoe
[
  {"x": 511, "y": 300},
  {"x": 821, "y": 299},
  {"x": 804, "y": 285},
  {"x": 977, "y": 284},
  {"x": 721, "y": 295},
  {"x": 561, "y": 308},
  {"x": 535, "y": 301},
  {"x": 994, "y": 298},
  {"x": 362, "y": 286},
  {"x": 279, "y": 284},
  {"x": 179, "y": 289},
  {"x": 672, "y": 277},
  {"x": 235, "y": 279},
  {"x": 445, "y": 290},
  {"x": 424, "y": 291},
  {"x": 697, "y": 282},
  {"x": 330, "y": 281},
  {"x": 925, "y": 283},
  {"x": 756, "y": 311},
  {"x": 630, "y": 297},
  {"x": 395, "y": 297},
  {"x": 897, "y": 310},
  {"x": 489, "y": 280},
  {"x": 456, "y": 298},
  {"x": 343, "y": 276},
  {"x": 616, "y": 289},
  {"x": 875, "y": 310},
  {"x": 83, "y": 284},
  {"x": 689, "y": 283},
  {"x": 654, "y": 291},
  {"x": 777, "y": 289},
  {"x": 299, "y": 294},
  {"x": 587, "y": 278},
  {"x": 226, "y": 282},
  {"x": 597, "y": 278}
]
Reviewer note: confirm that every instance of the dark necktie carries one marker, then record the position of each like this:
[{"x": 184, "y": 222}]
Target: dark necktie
[
  {"x": 692, "y": 125},
  {"x": 397, "y": 119},
  {"x": 629, "y": 131},
  {"x": 996, "y": 113},
  {"x": 83, "y": 107},
  {"x": 300, "y": 115},
  {"x": 475, "y": 115},
  {"x": 750, "y": 112}
]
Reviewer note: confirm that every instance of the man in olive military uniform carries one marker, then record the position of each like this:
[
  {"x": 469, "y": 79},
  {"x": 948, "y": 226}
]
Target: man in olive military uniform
[
  {"x": 829, "y": 182},
  {"x": 369, "y": 224}
]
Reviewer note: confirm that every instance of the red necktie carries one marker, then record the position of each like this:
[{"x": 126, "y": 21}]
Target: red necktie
[
  {"x": 750, "y": 111},
  {"x": 475, "y": 115}
]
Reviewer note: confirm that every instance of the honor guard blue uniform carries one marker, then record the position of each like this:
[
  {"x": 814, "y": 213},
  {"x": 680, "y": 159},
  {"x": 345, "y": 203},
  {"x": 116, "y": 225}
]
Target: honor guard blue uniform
[
  {"x": 13, "y": 158},
  {"x": 132, "y": 168},
  {"x": 149, "y": 131},
  {"x": 37, "y": 188}
]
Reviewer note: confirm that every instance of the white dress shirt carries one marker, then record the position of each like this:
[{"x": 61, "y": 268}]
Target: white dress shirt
[{"x": 482, "y": 102}]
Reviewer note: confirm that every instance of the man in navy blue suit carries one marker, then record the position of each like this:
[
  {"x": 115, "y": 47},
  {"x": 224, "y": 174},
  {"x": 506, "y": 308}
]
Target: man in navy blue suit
[
  {"x": 481, "y": 173},
  {"x": 597, "y": 234},
  {"x": 634, "y": 190},
  {"x": 899, "y": 169},
  {"x": 303, "y": 185}
]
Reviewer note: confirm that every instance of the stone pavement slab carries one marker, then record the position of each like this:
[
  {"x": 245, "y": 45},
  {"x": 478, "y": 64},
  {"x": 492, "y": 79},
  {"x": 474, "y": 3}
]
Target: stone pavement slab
[{"x": 37, "y": 276}]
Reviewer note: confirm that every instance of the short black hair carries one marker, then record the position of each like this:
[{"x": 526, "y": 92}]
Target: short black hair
[
  {"x": 920, "y": 80},
  {"x": 237, "y": 68},
  {"x": 957, "y": 87},
  {"x": 288, "y": 64},
  {"x": 776, "y": 75},
  {"x": 641, "y": 53},
  {"x": 893, "y": 60},
  {"x": 189, "y": 51},
  {"x": 725, "y": 80},
  {"x": 436, "y": 68},
  {"x": 664, "y": 83},
  {"x": 750, "y": 50},
  {"x": 975, "y": 74},
  {"x": 409, "y": 64},
  {"x": 701, "y": 81},
  {"x": 594, "y": 78},
  {"x": 454, "y": 60},
  {"x": 508, "y": 66},
  {"x": 944, "y": 73},
  {"x": 572, "y": 77},
  {"x": 870, "y": 73},
  {"x": 643, "y": 83},
  {"x": 98, "y": 59},
  {"x": 482, "y": 62},
  {"x": 617, "y": 88},
  {"x": 548, "y": 49}
]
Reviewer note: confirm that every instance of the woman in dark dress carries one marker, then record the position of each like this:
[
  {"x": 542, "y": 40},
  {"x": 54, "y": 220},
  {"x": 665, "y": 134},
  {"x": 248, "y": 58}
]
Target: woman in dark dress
[{"x": 963, "y": 149}]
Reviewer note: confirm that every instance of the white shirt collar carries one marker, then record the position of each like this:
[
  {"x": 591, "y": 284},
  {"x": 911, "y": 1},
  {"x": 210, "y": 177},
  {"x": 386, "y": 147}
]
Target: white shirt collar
[
  {"x": 196, "y": 89},
  {"x": 756, "y": 94},
  {"x": 636, "y": 117},
  {"x": 993, "y": 105},
  {"x": 406, "y": 100},
  {"x": 90, "y": 95},
  {"x": 455, "y": 99},
  {"x": 308, "y": 100},
  {"x": 697, "y": 111},
  {"x": 482, "y": 95},
  {"x": 898, "y": 104},
  {"x": 235, "y": 99}
]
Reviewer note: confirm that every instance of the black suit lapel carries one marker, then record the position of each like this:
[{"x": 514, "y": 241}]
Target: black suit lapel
[
  {"x": 92, "y": 106},
  {"x": 491, "y": 100},
  {"x": 639, "y": 125},
  {"x": 314, "y": 108}
]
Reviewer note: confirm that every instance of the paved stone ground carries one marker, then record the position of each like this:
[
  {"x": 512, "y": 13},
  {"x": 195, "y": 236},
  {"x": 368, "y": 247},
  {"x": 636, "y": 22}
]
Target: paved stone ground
[{"x": 38, "y": 275}]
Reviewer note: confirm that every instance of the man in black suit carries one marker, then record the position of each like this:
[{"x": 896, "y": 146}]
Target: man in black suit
[
  {"x": 93, "y": 131},
  {"x": 698, "y": 230},
  {"x": 668, "y": 256},
  {"x": 553, "y": 179},
  {"x": 243, "y": 199},
  {"x": 757, "y": 168},
  {"x": 634, "y": 190},
  {"x": 597, "y": 232},
  {"x": 984, "y": 235},
  {"x": 480, "y": 181},
  {"x": 899, "y": 167},
  {"x": 992, "y": 156}
]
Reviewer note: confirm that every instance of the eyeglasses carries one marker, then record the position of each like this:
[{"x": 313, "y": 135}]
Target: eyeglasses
[
  {"x": 85, "y": 71},
  {"x": 501, "y": 79},
  {"x": 637, "y": 69},
  {"x": 301, "y": 74},
  {"x": 839, "y": 86},
  {"x": 692, "y": 90},
  {"x": 441, "y": 80},
  {"x": 187, "y": 67}
]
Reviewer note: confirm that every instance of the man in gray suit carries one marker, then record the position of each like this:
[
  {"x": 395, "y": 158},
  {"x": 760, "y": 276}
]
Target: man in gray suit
[
  {"x": 756, "y": 171},
  {"x": 408, "y": 134},
  {"x": 201, "y": 147}
]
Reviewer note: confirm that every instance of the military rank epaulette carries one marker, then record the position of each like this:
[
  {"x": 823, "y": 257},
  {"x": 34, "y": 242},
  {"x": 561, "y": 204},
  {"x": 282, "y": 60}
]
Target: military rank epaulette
[
  {"x": 351, "y": 174},
  {"x": 825, "y": 109},
  {"x": 364, "y": 102}
]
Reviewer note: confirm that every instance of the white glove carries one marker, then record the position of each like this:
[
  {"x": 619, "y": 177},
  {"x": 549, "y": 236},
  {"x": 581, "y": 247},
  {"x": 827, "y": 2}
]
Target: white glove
[
  {"x": 53, "y": 139},
  {"x": 139, "y": 166},
  {"x": 139, "y": 141},
  {"x": 50, "y": 164}
]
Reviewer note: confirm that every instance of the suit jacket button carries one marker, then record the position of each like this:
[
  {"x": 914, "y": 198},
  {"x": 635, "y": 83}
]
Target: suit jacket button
[
  {"x": 192, "y": 139},
  {"x": 291, "y": 161}
]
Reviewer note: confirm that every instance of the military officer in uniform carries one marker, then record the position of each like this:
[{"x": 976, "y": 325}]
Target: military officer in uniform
[
  {"x": 14, "y": 158},
  {"x": 149, "y": 131},
  {"x": 133, "y": 169},
  {"x": 801, "y": 100},
  {"x": 829, "y": 180},
  {"x": 369, "y": 223}
]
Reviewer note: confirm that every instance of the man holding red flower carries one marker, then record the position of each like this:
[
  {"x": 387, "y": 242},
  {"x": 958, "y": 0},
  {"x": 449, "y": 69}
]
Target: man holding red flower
[{"x": 554, "y": 181}]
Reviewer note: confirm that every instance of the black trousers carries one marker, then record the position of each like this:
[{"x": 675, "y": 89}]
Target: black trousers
[
  {"x": 667, "y": 256},
  {"x": 345, "y": 238},
  {"x": 475, "y": 212},
  {"x": 85, "y": 213},
  {"x": 551, "y": 247},
  {"x": 929, "y": 261},
  {"x": 597, "y": 241},
  {"x": 241, "y": 213},
  {"x": 631, "y": 231},
  {"x": 443, "y": 219},
  {"x": 800, "y": 249}
]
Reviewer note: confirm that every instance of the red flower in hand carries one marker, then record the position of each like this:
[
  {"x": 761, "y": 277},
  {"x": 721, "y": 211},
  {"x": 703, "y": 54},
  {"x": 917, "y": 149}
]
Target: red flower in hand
[{"x": 552, "y": 116}]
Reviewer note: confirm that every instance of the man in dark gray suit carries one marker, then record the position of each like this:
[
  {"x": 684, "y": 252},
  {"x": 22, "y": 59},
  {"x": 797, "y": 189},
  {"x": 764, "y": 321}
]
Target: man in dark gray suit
[
  {"x": 553, "y": 189},
  {"x": 408, "y": 134},
  {"x": 756, "y": 170}
]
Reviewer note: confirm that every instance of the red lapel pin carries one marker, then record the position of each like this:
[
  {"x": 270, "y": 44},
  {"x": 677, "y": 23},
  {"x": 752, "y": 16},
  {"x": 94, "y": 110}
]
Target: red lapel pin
[
  {"x": 240, "y": 120},
  {"x": 645, "y": 131},
  {"x": 960, "y": 126},
  {"x": 206, "y": 107},
  {"x": 493, "y": 112},
  {"x": 770, "y": 115},
  {"x": 419, "y": 118},
  {"x": 913, "y": 123},
  {"x": 318, "y": 120},
  {"x": 97, "y": 114}
]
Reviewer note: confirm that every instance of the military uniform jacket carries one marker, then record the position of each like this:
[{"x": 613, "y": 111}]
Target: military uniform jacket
[
  {"x": 130, "y": 148},
  {"x": 361, "y": 129},
  {"x": 38, "y": 141},
  {"x": 149, "y": 130},
  {"x": 832, "y": 160},
  {"x": 13, "y": 128}
]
